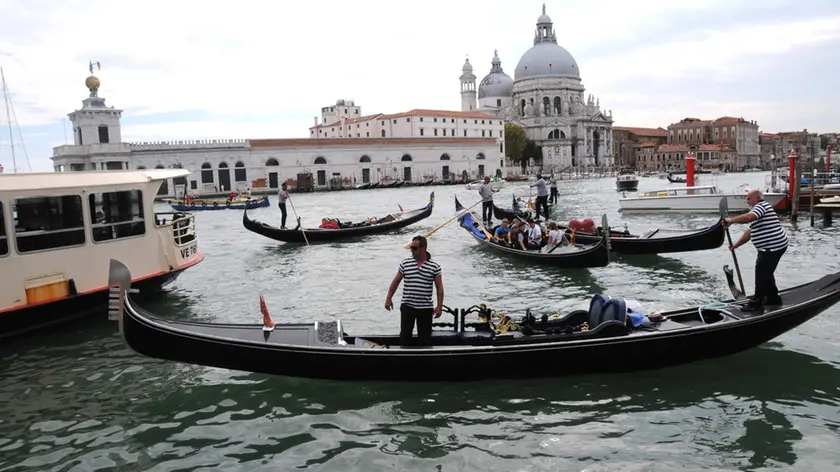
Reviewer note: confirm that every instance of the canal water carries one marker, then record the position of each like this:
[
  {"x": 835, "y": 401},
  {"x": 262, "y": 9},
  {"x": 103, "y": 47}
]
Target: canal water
[{"x": 77, "y": 400}]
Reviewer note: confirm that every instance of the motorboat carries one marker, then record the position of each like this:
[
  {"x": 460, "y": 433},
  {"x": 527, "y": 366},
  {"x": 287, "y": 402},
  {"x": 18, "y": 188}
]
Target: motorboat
[{"x": 697, "y": 199}]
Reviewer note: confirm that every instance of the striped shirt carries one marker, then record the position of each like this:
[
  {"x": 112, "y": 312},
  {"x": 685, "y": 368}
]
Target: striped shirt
[
  {"x": 418, "y": 282},
  {"x": 766, "y": 232}
]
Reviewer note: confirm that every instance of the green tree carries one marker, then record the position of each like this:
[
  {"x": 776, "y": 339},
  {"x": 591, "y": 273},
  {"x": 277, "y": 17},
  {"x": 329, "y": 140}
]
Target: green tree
[
  {"x": 532, "y": 151},
  {"x": 823, "y": 141},
  {"x": 514, "y": 142}
]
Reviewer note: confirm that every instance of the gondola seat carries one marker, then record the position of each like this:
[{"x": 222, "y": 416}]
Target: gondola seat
[{"x": 605, "y": 311}]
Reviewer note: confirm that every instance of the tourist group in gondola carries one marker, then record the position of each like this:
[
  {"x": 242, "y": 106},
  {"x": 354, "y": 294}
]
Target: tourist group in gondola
[{"x": 146, "y": 249}]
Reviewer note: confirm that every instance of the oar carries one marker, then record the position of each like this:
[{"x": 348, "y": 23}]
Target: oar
[
  {"x": 446, "y": 222},
  {"x": 298, "y": 220},
  {"x": 724, "y": 210}
]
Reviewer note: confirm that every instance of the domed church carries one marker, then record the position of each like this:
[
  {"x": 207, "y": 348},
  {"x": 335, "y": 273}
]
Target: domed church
[{"x": 545, "y": 98}]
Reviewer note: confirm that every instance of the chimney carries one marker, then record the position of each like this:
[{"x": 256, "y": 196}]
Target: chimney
[{"x": 316, "y": 120}]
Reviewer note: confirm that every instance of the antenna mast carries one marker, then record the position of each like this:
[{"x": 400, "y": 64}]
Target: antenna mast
[{"x": 8, "y": 119}]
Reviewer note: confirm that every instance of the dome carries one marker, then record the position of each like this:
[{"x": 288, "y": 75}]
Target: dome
[
  {"x": 547, "y": 59},
  {"x": 496, "y": 83}
]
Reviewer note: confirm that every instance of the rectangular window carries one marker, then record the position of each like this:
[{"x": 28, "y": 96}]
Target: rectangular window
[
  {"x": 103, "y": 135},
  {"x": 465, "y": 133},
  {"x": 239, "y": 174},
  {"x": 44, "y": 223},
  {"x": 4, "y": 241},
  {"x": 435, "y": 131},
  {"x": 193, "y": 185},
  {"x": 421, "y": 131},
  {"x": 117, "y": 215}
]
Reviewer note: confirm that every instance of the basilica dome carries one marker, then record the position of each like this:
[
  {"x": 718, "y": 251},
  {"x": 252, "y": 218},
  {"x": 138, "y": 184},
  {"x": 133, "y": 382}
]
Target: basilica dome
[
  {"x": 496, "y": 83},
  {"x": 546, "y": 58}
]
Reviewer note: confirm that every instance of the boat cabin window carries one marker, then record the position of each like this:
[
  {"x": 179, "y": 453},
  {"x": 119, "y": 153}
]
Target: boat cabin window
[
  {"x": 43, "y": 223},
  {"x": 4, "y": 242},
  {"x": 117, "y": 215}
]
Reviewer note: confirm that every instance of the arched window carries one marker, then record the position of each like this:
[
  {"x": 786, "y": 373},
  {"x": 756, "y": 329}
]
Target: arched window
[
  {"x": 239, "y": 173},
  {"x": 557, "y": 105},
  {"x": 320, "y": 160},
  {"x": 522, "y": 107},
  {"x": 364, "y": 159},
  {"x": 444, "y": 157},
  {"x": 547, "y": 105},
  {"x": 480, "y": 156},
  {"x": 406, "y": 158},
  {"x": 383, "y": 133},
  {"x": 206, "y": 173},
  {"x": 272, "y": 162},
  {"x": 160, "y": 166},
  {"x": 141, "y": 167},
  {"x": 223, "y": 165}
]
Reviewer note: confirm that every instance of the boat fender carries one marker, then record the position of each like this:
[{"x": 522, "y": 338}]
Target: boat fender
[{"x": 544, "y": 318}]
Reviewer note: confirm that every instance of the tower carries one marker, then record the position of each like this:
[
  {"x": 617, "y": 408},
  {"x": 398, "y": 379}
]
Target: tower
[
  {"x": 468, "y": 91},
  {"x": 95, "y": 123}
]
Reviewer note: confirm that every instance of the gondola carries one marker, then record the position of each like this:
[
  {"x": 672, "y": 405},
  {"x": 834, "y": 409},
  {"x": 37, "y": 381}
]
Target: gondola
[
  {"x": 675, "y": 180},
  {"x": 572, "y": 256},
  {"x": 501, "y": 213},
  {"x": 610, "y": 336},
  {"x": 204, "y": 205},
  {"x": 346, "y": 229}
]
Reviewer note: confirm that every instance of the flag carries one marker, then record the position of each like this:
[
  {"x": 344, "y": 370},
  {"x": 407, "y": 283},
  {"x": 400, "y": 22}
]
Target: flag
[{"x": 267, "y": 323}]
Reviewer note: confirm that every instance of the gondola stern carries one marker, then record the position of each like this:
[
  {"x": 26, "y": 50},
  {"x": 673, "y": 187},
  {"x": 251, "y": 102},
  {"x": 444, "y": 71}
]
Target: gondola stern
[{"x": 119, "y": 284}]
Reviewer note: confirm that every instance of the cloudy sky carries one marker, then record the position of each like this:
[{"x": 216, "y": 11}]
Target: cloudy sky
[{"x": 184, "y": 69}]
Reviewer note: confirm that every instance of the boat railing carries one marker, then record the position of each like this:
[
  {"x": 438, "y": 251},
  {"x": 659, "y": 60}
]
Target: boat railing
[{"x": 181, "y": 225}]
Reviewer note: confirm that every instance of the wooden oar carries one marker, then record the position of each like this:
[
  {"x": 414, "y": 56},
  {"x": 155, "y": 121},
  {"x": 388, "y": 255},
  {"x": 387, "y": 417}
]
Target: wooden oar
[
  {"x": 724, "y": 210},
  {"x": 446, "y": 222},
  {"x": 289, "y": 197}
]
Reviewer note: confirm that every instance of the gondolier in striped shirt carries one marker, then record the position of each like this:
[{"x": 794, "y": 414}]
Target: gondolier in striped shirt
[
  {"x": 420, "y": 273},
  {"x": 486, "y": 193},
  {"x": 771, "y": 242}
]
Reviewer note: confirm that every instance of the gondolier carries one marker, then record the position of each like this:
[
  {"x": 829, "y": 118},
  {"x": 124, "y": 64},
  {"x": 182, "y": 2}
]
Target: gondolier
[
  {"x": 542, "y": 196},
  {"x": 282, "y": 195},
  {"x": 420, "y": 274},
  {"x": 771, "y": 242},
  {"x": 486, "y": 193},
  {"x": 553, "y": 188}
]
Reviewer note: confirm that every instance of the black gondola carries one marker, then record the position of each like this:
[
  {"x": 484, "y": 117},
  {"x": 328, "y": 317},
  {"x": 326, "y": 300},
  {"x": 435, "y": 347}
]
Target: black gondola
[
  {"x": 675, "y": 180},
  {"x": 346, "y": 230},
  {"x": 571, "y": 256},
  {"x": 501, "y": 213},
  {"x": 608, "y": 337},
  {"x": 653, "y": 241}
]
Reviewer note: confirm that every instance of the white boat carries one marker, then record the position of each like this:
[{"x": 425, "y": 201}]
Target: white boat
[
  {"x": 702, "y": 199},
  {"x": 497, "y": 184},
  {"x": 626, "y": 180},
  {"x": 59, "y": 230}
]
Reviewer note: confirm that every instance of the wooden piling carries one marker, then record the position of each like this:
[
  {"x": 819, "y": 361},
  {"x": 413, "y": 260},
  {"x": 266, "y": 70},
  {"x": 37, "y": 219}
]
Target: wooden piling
[
  {"x": 813, "y": 178},
  {"x": 794, "y": 207}
]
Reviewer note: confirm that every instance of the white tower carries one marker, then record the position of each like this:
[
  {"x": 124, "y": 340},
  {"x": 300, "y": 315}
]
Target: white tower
[
  {"x": 468, "y": 91},
  {"x": 95, "y": 123}
]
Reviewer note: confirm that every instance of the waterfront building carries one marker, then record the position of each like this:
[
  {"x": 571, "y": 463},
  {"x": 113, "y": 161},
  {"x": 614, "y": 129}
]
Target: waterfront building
[
  {"x": 468, "y": 146},
  {"x": 737, "y": 138},
  {"x": 546, "y": 99}
]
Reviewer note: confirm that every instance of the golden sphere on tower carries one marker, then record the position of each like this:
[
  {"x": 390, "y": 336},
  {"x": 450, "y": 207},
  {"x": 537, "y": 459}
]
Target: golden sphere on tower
[{"x": 92, "y": 82}]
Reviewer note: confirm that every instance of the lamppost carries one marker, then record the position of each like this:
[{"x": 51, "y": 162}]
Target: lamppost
[{"x": 773, "y": 172}]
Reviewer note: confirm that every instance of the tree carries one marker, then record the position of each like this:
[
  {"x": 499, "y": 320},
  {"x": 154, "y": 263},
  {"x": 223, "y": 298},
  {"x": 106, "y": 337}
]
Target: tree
[
  {"x": 514, "y": 142},
  {"x": 823, "y": 141},
  {"x": 532, "y": 151}
]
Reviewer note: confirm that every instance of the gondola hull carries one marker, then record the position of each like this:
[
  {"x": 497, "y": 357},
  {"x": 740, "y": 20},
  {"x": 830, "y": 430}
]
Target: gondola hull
[
  {"x": 327, "y": 235},
  {"x": 623, "y": 243},
  {"x": 206, "y": 206},
  {"x": 325, "y": 351}
]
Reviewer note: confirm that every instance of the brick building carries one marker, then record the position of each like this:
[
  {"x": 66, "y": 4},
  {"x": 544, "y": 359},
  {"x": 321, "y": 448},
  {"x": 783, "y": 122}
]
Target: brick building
[
  {"x": 733, "y": 137},
  {"x": 627, "y": 141}
]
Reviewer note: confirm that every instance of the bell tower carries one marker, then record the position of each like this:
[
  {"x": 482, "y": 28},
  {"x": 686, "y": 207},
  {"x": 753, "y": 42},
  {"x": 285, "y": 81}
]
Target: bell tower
[{"x": 468, "y": 90}]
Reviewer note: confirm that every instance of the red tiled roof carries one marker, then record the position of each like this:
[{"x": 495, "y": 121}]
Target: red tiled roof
[
  {"x": 348, "y": 121},
  {"x": 442, "y": 113},
  {"x": 646, "y": 132},
  {"x": 646, "y": 144},
  {"x": 336, "y": 142},
  {"x": 684, "y": 148}
]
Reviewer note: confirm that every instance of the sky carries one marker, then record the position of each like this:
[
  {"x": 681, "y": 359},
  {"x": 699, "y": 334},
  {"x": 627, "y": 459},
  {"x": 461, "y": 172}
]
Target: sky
[{"x": 255, "y": 69}]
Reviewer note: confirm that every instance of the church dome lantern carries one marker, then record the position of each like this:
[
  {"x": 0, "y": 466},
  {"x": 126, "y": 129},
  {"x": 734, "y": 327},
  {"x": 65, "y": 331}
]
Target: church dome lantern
[
  {"x": 496, "y": 83},
  {"x": 546, "y": 58}
]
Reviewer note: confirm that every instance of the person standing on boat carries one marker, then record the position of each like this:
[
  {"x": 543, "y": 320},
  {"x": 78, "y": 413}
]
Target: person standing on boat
[
  {"x": 553, "y": 187},
  {"x": 771, "y": 242},
  {"x": 542, "y": 196},
  {"x": 485, "y": 190},
  {"x": 420, "y": 274},
  {"x": 282, "y": 195}
]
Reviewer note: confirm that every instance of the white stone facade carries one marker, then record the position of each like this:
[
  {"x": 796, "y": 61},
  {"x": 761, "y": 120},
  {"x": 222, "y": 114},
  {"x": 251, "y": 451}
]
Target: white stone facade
[{"x": 547, "y": 100}]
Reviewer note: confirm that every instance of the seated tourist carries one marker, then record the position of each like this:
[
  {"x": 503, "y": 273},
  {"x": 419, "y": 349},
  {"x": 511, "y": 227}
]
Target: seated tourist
[
  {"x": 518, "y": 238},
  {"x": 535, "y": 236},
  {"x": 553, "y": 234},
  {"x": 328, "y": 224},
  {"x": 502, "y": 231}
]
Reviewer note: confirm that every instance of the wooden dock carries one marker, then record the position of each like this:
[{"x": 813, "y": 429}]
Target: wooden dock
[{"x": 827, "y": 210}]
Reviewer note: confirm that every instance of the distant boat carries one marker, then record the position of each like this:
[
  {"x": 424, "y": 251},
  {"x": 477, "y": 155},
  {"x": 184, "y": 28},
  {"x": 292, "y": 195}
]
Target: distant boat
[{"x": 704, "y": 199}]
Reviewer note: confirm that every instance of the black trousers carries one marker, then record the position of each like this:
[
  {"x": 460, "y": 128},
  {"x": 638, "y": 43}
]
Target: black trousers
[
  {"x": 282, "y": 212},
  {"x": 423, "y": 318},
  {"x": 765, "y": 280},
  {"x": 554, "y": 194},
  {"x": 542, "y": 202},
  {"x": 487, "y": 211}
]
